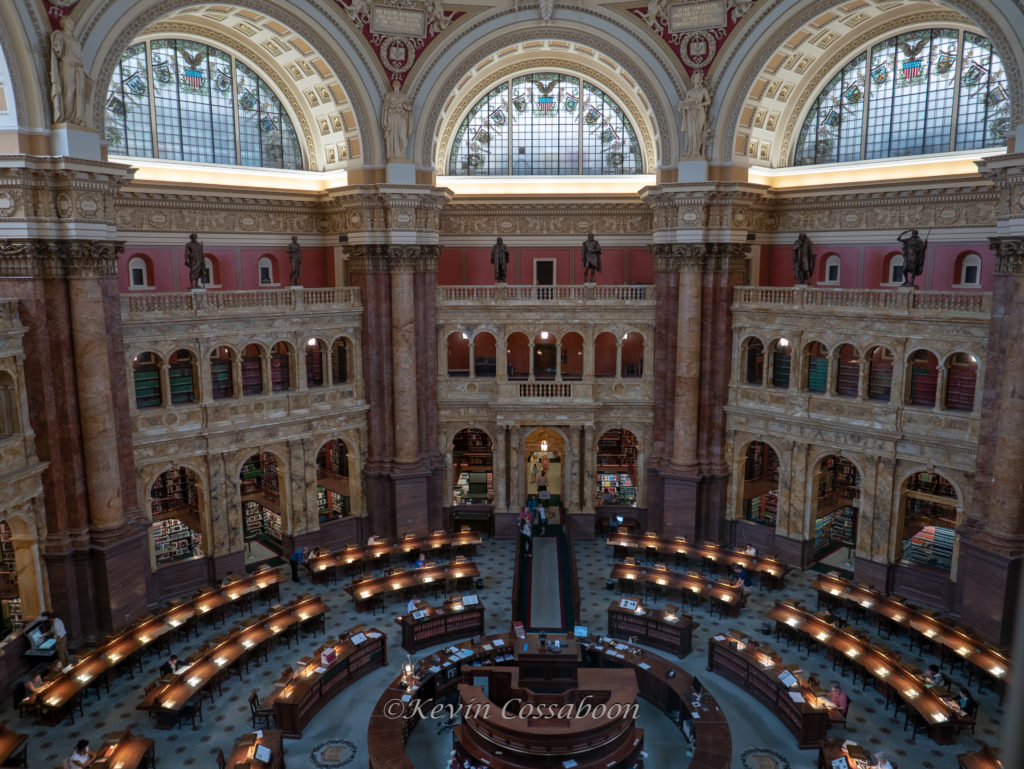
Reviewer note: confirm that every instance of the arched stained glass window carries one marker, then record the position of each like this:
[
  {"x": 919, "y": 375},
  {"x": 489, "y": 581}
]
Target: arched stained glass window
[
  {"x": 184, "y": 100},
  {"x": 545, "y": 123},
  {"x": 921, "y": 92}
]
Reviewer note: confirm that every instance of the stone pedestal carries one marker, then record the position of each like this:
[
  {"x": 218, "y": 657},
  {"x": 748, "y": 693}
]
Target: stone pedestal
[
  {"x": 989, "y": 582},
  {"x": 401, "y": 173},
  {"x": 692, "y": 170}
]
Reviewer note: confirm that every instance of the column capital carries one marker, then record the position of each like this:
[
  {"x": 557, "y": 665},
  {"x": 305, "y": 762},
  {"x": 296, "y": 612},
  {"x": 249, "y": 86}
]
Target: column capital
[
  {"x": 92, "y": 259},
  {"x": 669, "y": 257},
  {"x": 1009, "y": 255},
  {"x": 383, "y": 257},
  {"x": 59, "y": 258}
]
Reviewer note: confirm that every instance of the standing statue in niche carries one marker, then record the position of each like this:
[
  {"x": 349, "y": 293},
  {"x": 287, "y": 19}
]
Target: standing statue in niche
[
  {"x": 913, "y": 255},
  {"x": 195, "y": 260},
  {"x": 294, "y": 260},
  {"x": 803, "y": 259},
  {"x": 591, "y": 258},
  {"x": 396, "y": 120},
  {"x": 67, "y": 75},
  {"x": 694, "y": 111},
  {"x": 499, "y": 258}
]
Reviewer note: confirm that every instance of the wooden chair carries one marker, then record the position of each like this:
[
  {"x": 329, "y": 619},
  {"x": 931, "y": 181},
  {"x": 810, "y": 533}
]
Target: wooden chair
[
  {"x": 221, "y": 761},
  {"x": 262, "y": 718},
  {"x": 192, "y": 712}
]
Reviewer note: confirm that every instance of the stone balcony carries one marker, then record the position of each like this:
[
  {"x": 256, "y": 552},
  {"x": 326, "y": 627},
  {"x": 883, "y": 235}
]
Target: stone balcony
[
  {"x": 587, "y": 295},
  {"x": 201, "y": 304},
  {"x": 593, "y": 390},
  {"x": 842, "y": 303}
]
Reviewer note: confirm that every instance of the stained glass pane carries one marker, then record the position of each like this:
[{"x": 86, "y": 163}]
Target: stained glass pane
[
  {"x": 913, "y": 84},
  {"x": 545, "y": 123},
  {"x": 128, "y": 129},
  {"x": 983, "y": 112},
  {"x": 195, "y": 104}
]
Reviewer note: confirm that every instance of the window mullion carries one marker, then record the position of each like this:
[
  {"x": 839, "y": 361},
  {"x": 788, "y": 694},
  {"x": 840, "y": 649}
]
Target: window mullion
[
  {"x": 152, "y": 101},
  {"x": 234, "y": 112}
]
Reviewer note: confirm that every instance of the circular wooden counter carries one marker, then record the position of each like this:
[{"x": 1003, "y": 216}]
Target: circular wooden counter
[{"x": 395, "y": 714}]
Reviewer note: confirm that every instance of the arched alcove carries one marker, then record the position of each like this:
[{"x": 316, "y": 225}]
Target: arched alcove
[
  {"x": 146, "y": 379},
  {"x": 176, "y": 507},
  {"x": 315, "y": 368},
  {"x": 880, "y": 366},
  {"x": 817, "y": 367},
  {"x": 252, "y": 370},
  {"x": 759, "y": 494},
  {"x": 222, "y": 373},
  {"x": 632, "y": 354},
  {"x": 617, "y": 477},
  {"x": 472, "y": 467},
  {"x": 604, "y": 354},
  {"x": 458, "y": 354},
  {"x": 182, "y": 375},
  {"x": 544, "y": 474},
  {"x": 753, "y": 361},
  {"x": 333, "y": 491},
  {"x": 835, "y": 490},
  {"x": 930, "y": 512},
  {"x": 847, "y": 371},
  {"x": 922, "y": 378},
  {"x": 260, "y": 488},
  {"x": 517, "y": 352},
  {"x": 572, "y": 356}
]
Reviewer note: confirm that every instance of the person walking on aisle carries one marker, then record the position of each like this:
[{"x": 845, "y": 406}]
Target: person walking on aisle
[
  {"x": 542, "y": 519},
  {"x": 295, "y": 560},
  {"x": 526, "y": 532}
]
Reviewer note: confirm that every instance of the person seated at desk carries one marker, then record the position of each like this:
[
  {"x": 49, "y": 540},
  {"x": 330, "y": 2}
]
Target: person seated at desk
[
  {"x": 741, "y": 579},
  {"x": 833, "y": 619},
  {"x": 82, "y": 755},
  {"x": 32, "y": 687},
  {"x": 609, "y": 497},
  {"x": 373, "y": 540},
  {"x": 421, "y": 561},
  {"x": 967, "y": 704},
  {"x": 411, "y": 606},
  {"x": 750, "y": 550},
  {"x": 173, "y": 665},
  {"x": 935, "y": 677},
  {"x": 838, "y": 697},
  {"x": 881, "y": 762}
]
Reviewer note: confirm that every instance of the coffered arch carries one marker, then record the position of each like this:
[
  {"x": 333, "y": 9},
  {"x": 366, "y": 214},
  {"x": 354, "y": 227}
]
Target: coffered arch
[
  {"x": 777, "y": 60},
  {"x": 305, "y": 50},
  {"x": 614, "y": 54}
]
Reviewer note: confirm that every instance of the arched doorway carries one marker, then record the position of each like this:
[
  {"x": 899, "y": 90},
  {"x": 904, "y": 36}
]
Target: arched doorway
[
  {"x": 760, "y": 489},
  {"x": 332, "y": 491},
  {"x": 472, "y": 467},
  {"x": 836, "y": 495},
  {"x": 930, "y": 505},
  {"x": 616, "y": 468},
  {"x": 260, "y": 488},
  {"x": 544, "y": 458},
  {"x": 177, "y": 529}
]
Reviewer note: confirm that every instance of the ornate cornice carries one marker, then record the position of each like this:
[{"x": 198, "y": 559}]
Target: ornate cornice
[
  {"x": 626, "y": 217},
  {"x": 92, "y": 259},
  {"x": 1009, "y": 255}
]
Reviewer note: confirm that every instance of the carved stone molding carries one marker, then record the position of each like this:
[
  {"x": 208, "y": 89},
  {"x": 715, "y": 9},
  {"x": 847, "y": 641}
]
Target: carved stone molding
[
  {"x": 59, "y": 258},
  {"x": 625, "y": 217},
  {"x": 380, "y": 209},
  {"x": 382, "y": 257},
  {"x": 38, "y": 188},
  {"x": 1009, "y": 255},
  {"x": 144, "y": 212}
]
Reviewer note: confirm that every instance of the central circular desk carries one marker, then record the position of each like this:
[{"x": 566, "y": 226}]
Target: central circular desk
[{"x": 458, "y": 670}]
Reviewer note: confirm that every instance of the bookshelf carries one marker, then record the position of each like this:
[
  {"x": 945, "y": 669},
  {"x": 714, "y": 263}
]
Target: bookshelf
[
  {"x": 822, "y": 533},
  {"x": 220, "y": 378},
  {"x": 652, "y": 629},
  {"x": 280, "y": 372},
  {"x": 929, "y": 520},
  {"x": 616, "y": 448},
  {"x": 182, "y": 381},
  {"x": 620, "y": 484},
  {"x": 11, "y": 608},
  {"x": 147, "y": 386},
  {"x": 780, "y": 367},
  {"x": 252, "y": 375},
  {"x": 847, "y": 379},
  {"x": 880, "y": 379},
  {"x": 442, "y": 625},
  {"x": 252, "y": 519},
  {"x": 175, "y": 541},
  {"x": 960, "y": 384},
  {"x": 175, "y": 492},
  {"x": 7, "y": 562},
  {"x": 817, "y": 374},
  {"x": 923, "y": 382},
  {"x": 930, "y": 546},
  {"x": 844, "y": 525},
  {"x": 314, "y": 366},
  {"x": 760, "y": 485}
]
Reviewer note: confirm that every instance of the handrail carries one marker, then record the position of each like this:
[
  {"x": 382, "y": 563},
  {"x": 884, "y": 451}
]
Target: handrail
[
  {"x": 874, "y": 300},
  {"x": 585, "y": 294},
  {"x": 203, "y": 302}
]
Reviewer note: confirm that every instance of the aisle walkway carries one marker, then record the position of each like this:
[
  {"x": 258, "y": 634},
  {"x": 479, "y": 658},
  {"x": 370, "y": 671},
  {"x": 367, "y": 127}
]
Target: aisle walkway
[{"x": 545, "y": 586}]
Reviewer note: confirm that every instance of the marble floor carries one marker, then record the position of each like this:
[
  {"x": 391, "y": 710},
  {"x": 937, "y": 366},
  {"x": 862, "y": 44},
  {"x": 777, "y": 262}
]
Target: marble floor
[{"x": 758, "y": 737}]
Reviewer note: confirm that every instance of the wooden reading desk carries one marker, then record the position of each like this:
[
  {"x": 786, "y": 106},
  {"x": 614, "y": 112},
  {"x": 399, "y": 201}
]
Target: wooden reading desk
[
  {"x": 956, "y": 643},
  {"x": 13, "y": 747},
  {"x": 928, "y": 708},
  {"x": 689, "y": 586},
  {"x": 364, "y": 590},
  {"x": 986, "y": 758},
  {"x": 299, "y": 696},
  {"x": 772, "y": 570},
  {"x": 124, "y": 750},
  {"x": 168, "y": 700},
  {"x": 461, "y": 616},
  {"x": 666, "y": 630},
  {"x": 93, "y": 668},
  {"x": 382, "y": 553},
  {"x": 244, "y": 754}
]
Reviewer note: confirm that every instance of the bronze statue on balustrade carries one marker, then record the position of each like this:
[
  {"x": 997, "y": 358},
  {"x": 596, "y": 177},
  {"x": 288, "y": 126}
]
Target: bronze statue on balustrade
[
  {"x": 195, "y": 260},
  {"x": 913, "y": 255},
  {"x": 803, "y": 259},
  {"x": 499, "y": 258},
  {"x": 591, "y": 258}
]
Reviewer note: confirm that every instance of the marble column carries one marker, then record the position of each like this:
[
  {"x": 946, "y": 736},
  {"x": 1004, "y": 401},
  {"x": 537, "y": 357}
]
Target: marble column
[
  {"x": 498, "y": 458},
  {"x": 992, "y": 537},
  {"x": 165, "y": 384},
  {"x": 403, "y": 364},
  {"x": 687, "y": 370}
]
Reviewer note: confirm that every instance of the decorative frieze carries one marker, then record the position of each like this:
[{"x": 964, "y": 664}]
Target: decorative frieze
[
  {"x": 621, "y": 217},
  {"x": 669, "y": 257},
  {"x": 59, "y": 258}
]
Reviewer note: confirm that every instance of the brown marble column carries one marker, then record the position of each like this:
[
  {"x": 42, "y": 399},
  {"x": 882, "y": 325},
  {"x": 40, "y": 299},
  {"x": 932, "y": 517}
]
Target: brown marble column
[
  {"x": 992, "y": 537},
  {"x": 687, "y": 375},
  {"x": 403, "y": 357}
]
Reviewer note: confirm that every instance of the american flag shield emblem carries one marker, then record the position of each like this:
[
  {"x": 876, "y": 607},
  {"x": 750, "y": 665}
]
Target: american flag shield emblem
[
  {"x": 911, "y": 70},
  {"x": 545, "y": 103},
  {"x": 194, "y": 78}
]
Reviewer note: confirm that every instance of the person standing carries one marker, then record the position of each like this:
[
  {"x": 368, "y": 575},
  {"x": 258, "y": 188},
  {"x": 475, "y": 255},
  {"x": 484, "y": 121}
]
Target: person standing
[
  {"x": 295, "y": 560},
  {"x": 542, "y": 519},
  {"x": 60, "y": 635},
  {"x": 526, "y": 532}
]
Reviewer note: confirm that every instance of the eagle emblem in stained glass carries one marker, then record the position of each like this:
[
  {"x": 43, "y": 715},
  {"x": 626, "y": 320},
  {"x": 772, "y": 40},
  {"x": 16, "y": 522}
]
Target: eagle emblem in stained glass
[
  {"x": 545, "y": 123},
  {"x": 947, "y": 92}
]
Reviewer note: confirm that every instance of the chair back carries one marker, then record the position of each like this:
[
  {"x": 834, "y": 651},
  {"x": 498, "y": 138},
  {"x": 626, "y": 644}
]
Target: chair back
[{"x": 221, "y": 761}]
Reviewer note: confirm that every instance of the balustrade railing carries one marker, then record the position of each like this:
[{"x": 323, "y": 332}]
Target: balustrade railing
[
  {"x": 202, "y": 302},
  {"x": 871, "y": 300},
  {"x": 586, "y": 294},
  {"x": 545, "y": 390}
]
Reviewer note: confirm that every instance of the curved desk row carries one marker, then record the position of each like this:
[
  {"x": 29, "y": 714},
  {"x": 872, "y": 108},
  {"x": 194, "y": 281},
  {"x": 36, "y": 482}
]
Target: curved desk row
[
  {"x": 771, "y": 568},
  {"x": 381, "y": 552}
]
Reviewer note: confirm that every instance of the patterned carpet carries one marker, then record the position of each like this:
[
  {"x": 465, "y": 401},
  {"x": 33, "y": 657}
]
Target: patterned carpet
[{"x": 337, "y": 736}]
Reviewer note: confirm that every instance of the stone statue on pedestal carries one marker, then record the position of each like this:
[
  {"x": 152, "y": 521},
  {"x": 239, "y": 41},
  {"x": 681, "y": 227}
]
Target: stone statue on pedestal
[
  {"x": 195, "y": 260},
  {"x": 591, "y": 258},
  {"x": 803, "y": 259},
  {"x": 913, "y": 255},
  {"x": 294, "y": 260},
  {"x": 499, "y": 258},
  {"x": 67, "y": 74}
]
